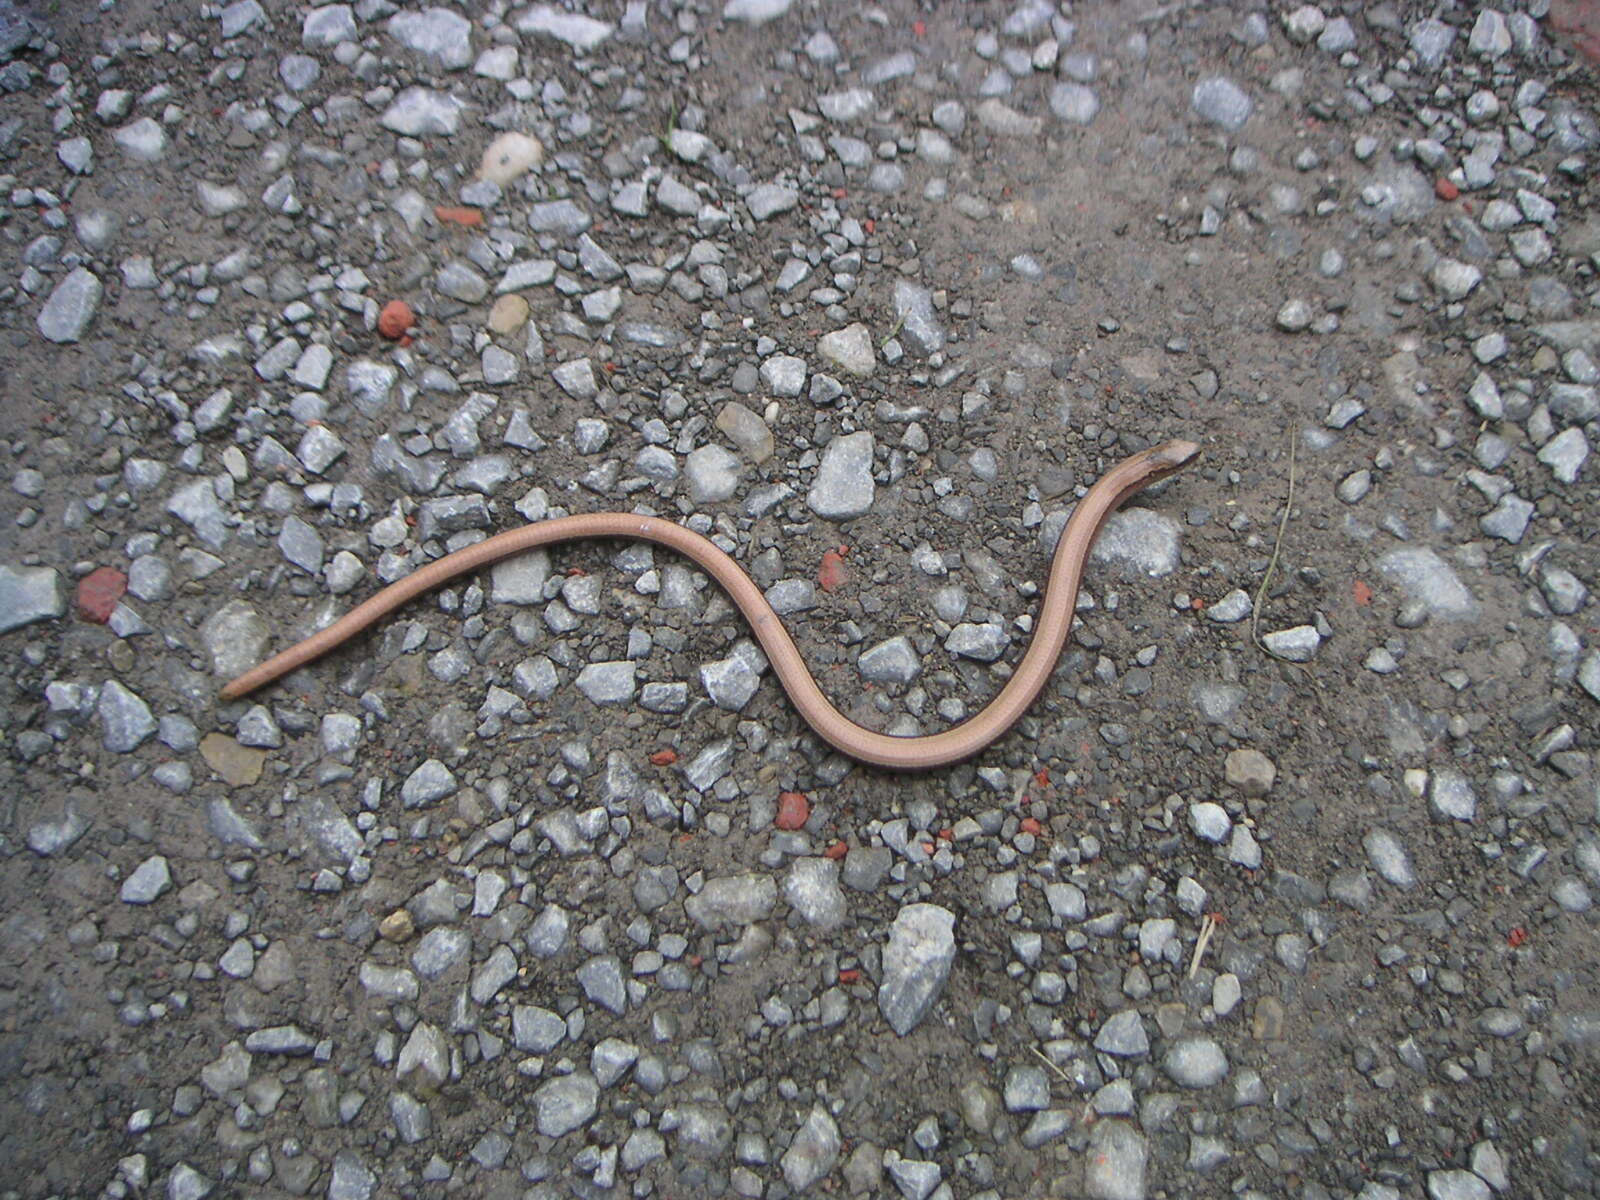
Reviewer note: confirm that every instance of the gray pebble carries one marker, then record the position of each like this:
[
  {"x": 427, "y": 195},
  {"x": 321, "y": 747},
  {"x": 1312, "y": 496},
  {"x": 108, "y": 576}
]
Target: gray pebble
[
  {"x": 125, "y": 718},
  {"x": 607, "y": 682},
  {"x": 712, "y": 474},
  {"x": 422, "y": 112},
  {"x": 1123, "y": 1035},
  {"x": 1298, "y": 644},
  {"x": 66, "y": 315},
  {"x": 566, "y": 1104},
  {"x": 811, "y": 888},
  {"x": 1388, "y": 857},
  {"x": 813, "y": 1152},
  {"x": 1195, "y": 1062},
  {"x": 1428, "y": 580},
  {"x": 1074, "y": 103},
  {"x": 1115, "y": 1162},
  {"x": 436, "y": 33},
  {"x": 1222, "y": 102},
  {"x": 732, "y": 900},
  {"x": 844, "y": 487},
  {"x": 1456, "y": 1185},
  {"x": 150, "y": 880},
  {"x": 1137, "y": 543},
  {"x": 892, "y": 661},
  {"x": 916, "y": 963},
  {"x": 29, "y": 594},
  {"x": 603, "y": 984},
  {"x": 428, "y": 784}
]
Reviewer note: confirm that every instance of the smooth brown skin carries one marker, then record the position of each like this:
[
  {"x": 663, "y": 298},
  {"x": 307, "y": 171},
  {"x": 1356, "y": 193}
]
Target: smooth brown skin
[{"x": 880, "y": 749}]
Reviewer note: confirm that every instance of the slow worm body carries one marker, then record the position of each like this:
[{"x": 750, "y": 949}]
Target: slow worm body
[{"x": 883, "y": 750}]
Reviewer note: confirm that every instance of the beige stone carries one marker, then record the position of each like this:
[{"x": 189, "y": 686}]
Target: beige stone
[
  {"x": 509, "y": 157},
  {"x": 746, "y": 430},
  {"x": 1251, "y": 772},
  {"x": 509, "y": 314},
  {"x": 238, "y": 765}
]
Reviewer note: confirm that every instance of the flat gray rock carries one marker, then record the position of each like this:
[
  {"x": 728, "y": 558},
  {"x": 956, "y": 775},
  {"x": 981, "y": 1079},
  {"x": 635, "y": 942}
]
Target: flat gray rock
[
  {"x": 813, "y": 1152},
  {"x": 849, "y": 349},
  {"x": 732, "y": 900},
  {"x": 566, "y": 1103},
  {"x": 1389, "y": 858},
  {"x": 125, "y": 718},
  {"x": 607, "y": 682},
  {"x": 784, "y": 375},
  {"x": 770, "y": 199},
  {"x": 1430, "y": 40},
  {"x": 1297, "y": 644},
  {"x": 892, "y": 661},
  {"x": 536, "y": 1030},
  {"x": 1114, "y": 1165},
  {"x": 149, "y": 881},
  {"x": 1565, "y": 454},
  {"x": 196, "y": 505},
  {"x": 1451, "y": 796},
  {"x": 756, "y": 12},
  {"x": 142, "y": 140},
  {"x": 422, "y": 112},
  {"x": 575, "y": 30},
  {"x": 1428, "y": 580},
  {"x": 460, "y": 281},
  {"x": 431, "y": 782},
  {"x": 844, "y": 487},
  {"x": 920, "y": 329},
  {"x": 51, "y": 836},
  {"x": 1509, "y": 519},
  {"x": 731, "y": 682},
  {"x": 66, "y": 315},
  {"x": 436, "y": 33},
  {"x": 236, "y": 637},
  {"x": 811, "y": 888},
  {"x": 1137, "y": 543},
  {"x": 847, "y": 105},
  {"x": 1457, "y": 1184},
  {"x": 602, "y": 983},
  {"x": 916, "y": 963},
  {"x": 29, "y": 594},
  {"x": 711, "y": 474},
  {"x": 1123, "y": 1035},
  {"x": 1195, "y": 1062},
  {"x": 440, "y": 949},
  {"x": 984, "y": 642},
  {"x": 328, "y": 26}
]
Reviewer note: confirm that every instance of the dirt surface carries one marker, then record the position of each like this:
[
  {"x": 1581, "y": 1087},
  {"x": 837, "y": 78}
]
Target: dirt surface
[{"x": 1284, "y": 888}]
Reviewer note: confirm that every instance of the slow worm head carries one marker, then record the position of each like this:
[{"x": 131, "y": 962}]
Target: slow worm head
[{"x": 879, "y": 749}]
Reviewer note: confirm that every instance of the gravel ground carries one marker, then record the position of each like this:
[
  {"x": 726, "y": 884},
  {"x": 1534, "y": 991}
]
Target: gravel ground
[{"x": 1285, "y": 888}]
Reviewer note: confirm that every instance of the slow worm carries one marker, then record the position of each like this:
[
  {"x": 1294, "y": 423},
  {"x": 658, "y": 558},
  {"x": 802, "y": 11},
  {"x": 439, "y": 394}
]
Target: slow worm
[{"x": 883, "y": 750}]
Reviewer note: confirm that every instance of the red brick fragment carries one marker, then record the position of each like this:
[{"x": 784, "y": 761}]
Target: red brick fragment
[{"x": 99, "y": 593}]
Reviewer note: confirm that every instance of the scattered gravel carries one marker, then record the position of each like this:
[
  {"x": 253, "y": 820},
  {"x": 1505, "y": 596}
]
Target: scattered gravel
[{"x": 533, "y": 888}]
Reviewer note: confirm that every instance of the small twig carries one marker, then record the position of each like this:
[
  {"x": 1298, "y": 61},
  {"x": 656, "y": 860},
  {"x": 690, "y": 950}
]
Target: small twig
[
  {"x": 1208, "y": 926},
  {"x": 1272, "y": 563},
  {"x": 895, "y": 332},
  {"x": 1045, "y": 1059}
]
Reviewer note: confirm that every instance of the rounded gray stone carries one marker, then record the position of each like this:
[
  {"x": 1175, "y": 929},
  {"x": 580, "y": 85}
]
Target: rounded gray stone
[
  {"x": 72, "y": 305},
  {"x": 566, "y": 1104},
  {"x": 1222, "y": 102},
  {"x": 1195, "y": 1062},
  {"x": 844, "y": 487}
]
